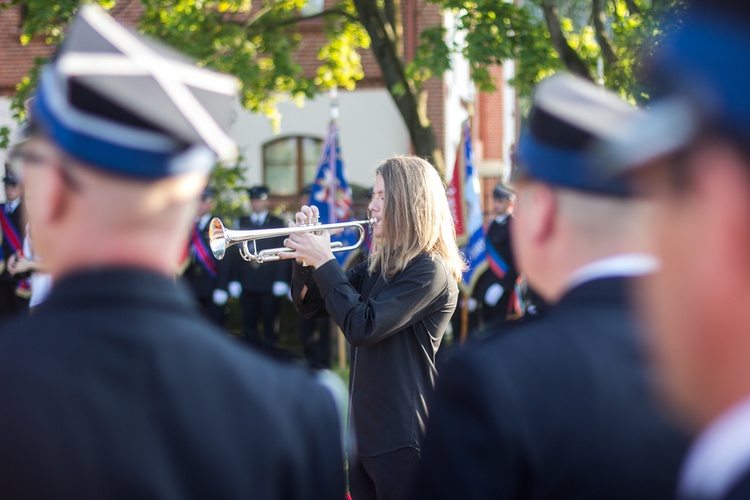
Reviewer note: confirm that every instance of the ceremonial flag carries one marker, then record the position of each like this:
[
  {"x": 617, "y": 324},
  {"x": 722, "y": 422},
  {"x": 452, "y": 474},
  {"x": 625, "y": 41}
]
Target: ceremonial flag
[
  {"x": 466, "y": 206},
  {"x": 332, "y": 195}
]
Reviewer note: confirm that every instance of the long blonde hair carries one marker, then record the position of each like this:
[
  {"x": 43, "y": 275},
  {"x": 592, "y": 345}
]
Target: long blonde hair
[{"x": 417, "y": 218}]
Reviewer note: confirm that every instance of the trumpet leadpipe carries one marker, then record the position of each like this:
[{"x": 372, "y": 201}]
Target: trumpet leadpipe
[{"x": 221, "y": 238}]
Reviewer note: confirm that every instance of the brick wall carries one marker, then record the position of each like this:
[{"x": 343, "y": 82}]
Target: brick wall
[
  {"x": 16, "y": 59},
  {"x": 490, "y": 109}
]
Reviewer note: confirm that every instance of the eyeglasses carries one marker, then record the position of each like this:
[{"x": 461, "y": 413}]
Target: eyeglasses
[{"x": 19, "y": 158}]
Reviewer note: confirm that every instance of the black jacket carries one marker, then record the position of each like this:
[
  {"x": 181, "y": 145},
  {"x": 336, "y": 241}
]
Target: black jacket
[
  {"x": 558, "y": 408},
  {"x": 117, "y": 388},
  {"x": 254, "y": 277},
  {"x": 394, "y": 329}
]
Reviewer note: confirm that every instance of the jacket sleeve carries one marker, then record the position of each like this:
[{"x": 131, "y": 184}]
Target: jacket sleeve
[{"x": 394, "y": 305}]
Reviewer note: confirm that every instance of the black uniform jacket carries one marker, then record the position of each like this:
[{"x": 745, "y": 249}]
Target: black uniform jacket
[
  {"x": 117, "y": 388},
  {"x": 254, "y": 277},
  {"x": 198, "y": 277},
  {"x": 558, "y": 408},
  {"x": 16, "y": 217},
  {"x": 394, "y": 328}
]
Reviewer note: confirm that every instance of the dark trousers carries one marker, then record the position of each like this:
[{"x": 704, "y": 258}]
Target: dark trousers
[
  {"x": 316, "y": 341},
  {"x": 260, "y": 308},
  {"x": 384, "y": 477},
  {"x": 10, "y": 303}
]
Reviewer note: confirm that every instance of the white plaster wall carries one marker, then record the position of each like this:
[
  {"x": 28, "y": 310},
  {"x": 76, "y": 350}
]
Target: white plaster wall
[
  {"x": 370, "y": 130},
  {"x": 459, "y": 88}
]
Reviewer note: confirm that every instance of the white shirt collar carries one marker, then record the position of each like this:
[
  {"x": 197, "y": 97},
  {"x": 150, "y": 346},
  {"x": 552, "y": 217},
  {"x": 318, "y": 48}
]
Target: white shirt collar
[
  {"x": 620, "y": 265},
  {"x": 13, "y": 204},
  {"x": 203, "y": 221},
  {"x": 720, "y": 455},
  {"x": 502, "y": 217}
]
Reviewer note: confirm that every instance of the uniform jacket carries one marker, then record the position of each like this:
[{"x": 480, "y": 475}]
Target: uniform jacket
[
  {"x": 254, "y": 277},
  {"x": 394, "y": 329},
  {"x": 117, "y": 388},
  {"x": 198, "y": 277},
  {"x": 500, "y": 247},
  {"x": 558, "y": 408},
  {"x": 17, "y": 218}
]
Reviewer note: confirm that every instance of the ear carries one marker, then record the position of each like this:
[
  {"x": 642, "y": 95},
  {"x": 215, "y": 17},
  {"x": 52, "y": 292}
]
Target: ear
[
  {"x": 722, "y": 186},
  {"x": 49, "y": 195},
  {"x": 544, "y": 213}
]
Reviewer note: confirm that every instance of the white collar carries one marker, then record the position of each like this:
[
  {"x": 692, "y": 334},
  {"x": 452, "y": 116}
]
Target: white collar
[
  {"x": 720, "y": 455},
  {"x": 502, "y": 217},
  {"x": 14, "y": 204},
  {"x": 625, "y": 264},
  {"x": 203, "y": 221}
]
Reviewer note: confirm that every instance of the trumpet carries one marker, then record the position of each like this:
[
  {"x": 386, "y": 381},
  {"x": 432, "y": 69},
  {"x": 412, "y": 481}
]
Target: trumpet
[{"x": 221, "y": 238}]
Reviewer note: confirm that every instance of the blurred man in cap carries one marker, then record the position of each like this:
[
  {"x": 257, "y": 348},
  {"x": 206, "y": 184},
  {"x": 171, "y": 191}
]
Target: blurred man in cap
[
  {"x": 496, "y": 288},
  {"x": 690, "y": 155},
  {"x": 260, "y": 287},
  {"x": 14, "y": 289},
  {"x": 206, "y": 276},
  {"x": 116, "y": 387},
  {"x": 559, "y": 407}
]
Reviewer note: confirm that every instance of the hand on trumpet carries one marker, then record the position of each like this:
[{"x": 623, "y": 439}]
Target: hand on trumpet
[{"x": 312, "y": 248}]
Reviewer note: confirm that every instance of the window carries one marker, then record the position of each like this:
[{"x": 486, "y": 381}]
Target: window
[{"x": 290, "y": 163}]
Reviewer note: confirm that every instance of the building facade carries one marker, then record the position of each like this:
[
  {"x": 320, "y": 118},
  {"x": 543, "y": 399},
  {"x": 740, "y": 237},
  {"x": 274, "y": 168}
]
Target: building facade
[{"x": 371, "y": 128}]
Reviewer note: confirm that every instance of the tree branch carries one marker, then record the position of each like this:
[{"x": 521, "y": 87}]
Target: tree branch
[
  {"x": 599, "y": 18},
  {"x": 568, "y": 55},
  {"x": 392, "y": 9},
  {"x": 296, "y": 20},
  {"x": 633, "y": 7}
]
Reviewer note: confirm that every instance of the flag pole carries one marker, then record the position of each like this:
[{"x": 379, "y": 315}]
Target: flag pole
[{"x": 332, "y": 203}]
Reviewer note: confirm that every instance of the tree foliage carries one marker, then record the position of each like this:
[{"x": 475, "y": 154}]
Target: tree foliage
[{"x": 598, "y": 39}]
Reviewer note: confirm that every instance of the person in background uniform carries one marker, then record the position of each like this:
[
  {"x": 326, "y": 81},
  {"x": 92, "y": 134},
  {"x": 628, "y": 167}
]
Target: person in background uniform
[
  {"x": 315, "y": 333},
  {"x": 559, "y": 407},
  {"x": 496, "y": 290},
  {"x": 260, "y": 287},
  {"x": 117, "y": 387},
  {"x": 689, "y": 155},
  {"x": 14, "y": 289},
  {"x": 393, "y": 309},
  {"x": 206, "y": 276}
]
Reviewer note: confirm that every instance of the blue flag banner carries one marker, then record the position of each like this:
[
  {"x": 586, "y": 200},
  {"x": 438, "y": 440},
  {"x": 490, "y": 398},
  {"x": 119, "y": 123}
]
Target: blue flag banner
[
  {"x": 332, "y": 195},
  {"x": 465, "y": 201}
]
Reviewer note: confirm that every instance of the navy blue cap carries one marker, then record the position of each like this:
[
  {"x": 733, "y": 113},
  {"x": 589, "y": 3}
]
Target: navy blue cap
[
  {"x": 501, "y": 192},
  {"x": 569, "y": 118},
  {"x": 11, "y": 179},
  {"x": 131, "y": 106},
  {"x": 699, "y": 82},
  {"x": 258, "y": 193},
  {"x": 208, "y": 193}
]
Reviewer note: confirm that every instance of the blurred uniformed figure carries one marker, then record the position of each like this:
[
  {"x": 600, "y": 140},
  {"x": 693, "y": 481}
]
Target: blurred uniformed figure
[
  {"x": 690, "y": 156},
  {"x": 496, "y": 289},
  {"x": 206, "y": 276},
  {"x": 559, "y": 407},
  {"x": 14, "y": 289},
  {"x": 116, "y": 386},
  {"x": 260, "y": 287}
]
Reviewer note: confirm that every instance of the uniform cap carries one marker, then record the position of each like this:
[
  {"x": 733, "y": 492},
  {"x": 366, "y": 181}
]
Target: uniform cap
[
  {"x": 569, "y": 119},
  {"x": 501, "y": 192},
  {"x": 258, "y": 193},
  {"x": 10, "y": 178},
  {"x": 129, "y": 105}
]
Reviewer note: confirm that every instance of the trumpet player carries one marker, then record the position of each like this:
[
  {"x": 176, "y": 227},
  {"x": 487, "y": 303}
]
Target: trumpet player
[{"x": 393, "y": 309}]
